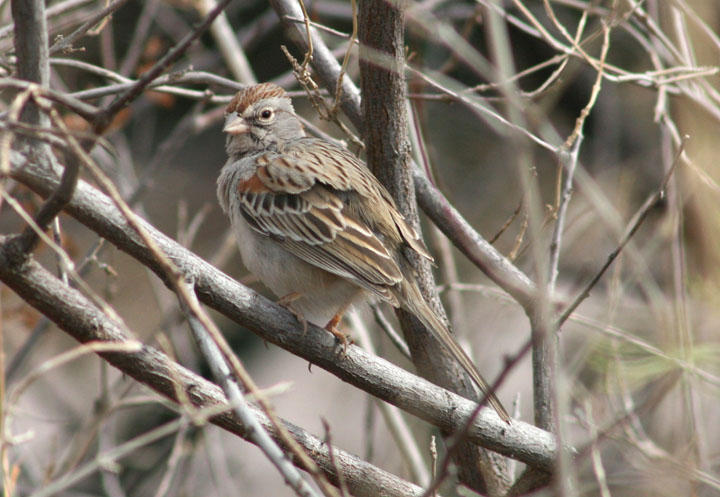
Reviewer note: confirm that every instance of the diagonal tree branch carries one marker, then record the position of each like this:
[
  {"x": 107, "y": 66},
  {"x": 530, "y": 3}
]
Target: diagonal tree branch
[
  {"x": 76, "y": 315},
  {"x": 277, "y": 325},
  {"x": 256, "y": 434}
]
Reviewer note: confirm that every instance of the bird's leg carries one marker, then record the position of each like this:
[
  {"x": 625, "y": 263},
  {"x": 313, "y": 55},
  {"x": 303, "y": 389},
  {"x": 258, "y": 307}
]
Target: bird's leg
[
  {"x": 332, "y": 327},
  {"x": 287, "y": 301}
]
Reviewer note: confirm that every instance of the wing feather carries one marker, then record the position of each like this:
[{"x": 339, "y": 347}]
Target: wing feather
[{"x": 297, "y": 199}]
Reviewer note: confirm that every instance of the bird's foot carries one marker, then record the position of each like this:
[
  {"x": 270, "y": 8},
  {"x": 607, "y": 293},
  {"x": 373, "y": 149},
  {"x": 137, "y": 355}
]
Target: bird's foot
[{"x": 343, "y": 338}]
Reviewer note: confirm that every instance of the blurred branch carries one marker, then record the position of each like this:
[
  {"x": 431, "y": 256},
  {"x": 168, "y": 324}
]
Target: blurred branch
[
  {"x": 230, "y": 48},
  {"x": 542, "y": 334},
  {"x": 65, "y": 44},
  {"x": 137, "y": 43},
  {"x": 103, "y": 118},
  {"x": 165, "y": 83},
  {"x": 446, "y": 257},
  {"x": 633, "y": 225},
  {"x": 52, "y": 11},
  {"x": 390, "y": 332},
  {"x": 486, "y": 257},
  {"x": 84, "y": 110},
  {"x": 568, "y": 162},
  {"x": 277, "y": 325},
  {"x": 398, "y": 426},
  {"x": 107, "y": 458},
  {"x": 255, "y": 432}
]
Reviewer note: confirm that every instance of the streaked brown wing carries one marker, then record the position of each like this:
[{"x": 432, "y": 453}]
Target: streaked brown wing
[
  {"x": 304, "y": 162},
  {"x": 313, "y": 225}
]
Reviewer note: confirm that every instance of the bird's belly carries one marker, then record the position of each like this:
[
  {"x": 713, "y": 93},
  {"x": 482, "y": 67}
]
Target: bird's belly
[{"x": 323, "y": 293}]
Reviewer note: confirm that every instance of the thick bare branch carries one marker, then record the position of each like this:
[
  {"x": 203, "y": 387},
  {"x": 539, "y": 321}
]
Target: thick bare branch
[
  {"x": 277, "y": 325},
  {"x": 31, "y": 49},
  {"x": 387, "y": 145},
  {"x": 76, "y": 315}
]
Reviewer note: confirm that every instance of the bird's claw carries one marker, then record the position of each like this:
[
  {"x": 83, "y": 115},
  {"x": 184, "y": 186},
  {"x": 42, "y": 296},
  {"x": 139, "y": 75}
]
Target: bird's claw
[{"x": 344, "y": 338}]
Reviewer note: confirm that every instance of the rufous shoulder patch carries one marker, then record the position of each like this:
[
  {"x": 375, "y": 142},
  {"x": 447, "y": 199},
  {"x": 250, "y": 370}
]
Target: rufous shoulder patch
[{"x": 254, "y": 184}]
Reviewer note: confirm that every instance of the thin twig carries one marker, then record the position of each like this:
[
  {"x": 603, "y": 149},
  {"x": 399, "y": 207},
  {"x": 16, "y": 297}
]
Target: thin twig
[
  {"x": 328, "y": 441},
  {"x": 65, "y": 43},
  {"x": 390, "y": 331},
  {"x": 346, "y": 59},
  {"x": 569, "y": 162},
  {"x": 57, "y": 201},
  {"x": 84, "y": 110},
  {"x": 103, "y": 118},
  {"x": 632, "y": 227},
  {"x": 256, "y": 433}
]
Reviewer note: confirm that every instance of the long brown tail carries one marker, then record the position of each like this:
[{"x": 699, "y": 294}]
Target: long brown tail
[{"x": 415, "y": 303}]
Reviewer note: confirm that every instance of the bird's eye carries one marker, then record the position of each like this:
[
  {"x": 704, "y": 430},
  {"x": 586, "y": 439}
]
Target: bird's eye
[{"x": 266, "y": 114}]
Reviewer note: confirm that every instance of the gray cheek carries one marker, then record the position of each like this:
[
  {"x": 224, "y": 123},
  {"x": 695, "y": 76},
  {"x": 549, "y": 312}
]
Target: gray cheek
[{"x": 259, "y": 135}]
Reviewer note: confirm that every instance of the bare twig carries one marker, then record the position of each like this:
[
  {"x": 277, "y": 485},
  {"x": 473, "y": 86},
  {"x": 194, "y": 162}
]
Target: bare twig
[
  {"x": 328, "y": 441},
  {"x": 103, "y": 118},
  {"x": 391, "y": 333},
  {"x": 632, "y": 227},
  {"x": 63, "y": 44},
  {"x": 323, "y": 62},
  {"x": 471, "y": 244},
  {"x": 568, "y": 160},
  {"x": 113, "y": 454},
  {"x": 57, "y": 201},
  {"x": 84, "y": 110},
  {"x": 139, "y": 37},
  {"x": 346, "y": 59},
  {"x": 256, "y": 433}
]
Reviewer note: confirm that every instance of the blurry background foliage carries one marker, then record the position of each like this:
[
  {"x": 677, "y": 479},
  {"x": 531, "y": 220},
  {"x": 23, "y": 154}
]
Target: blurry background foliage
[{"x": 658, "y": 300}]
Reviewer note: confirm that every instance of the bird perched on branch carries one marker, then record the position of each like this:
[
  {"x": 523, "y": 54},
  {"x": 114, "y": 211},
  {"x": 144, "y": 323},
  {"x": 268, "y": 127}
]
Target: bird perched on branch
[{"x": 315, "y": 225}]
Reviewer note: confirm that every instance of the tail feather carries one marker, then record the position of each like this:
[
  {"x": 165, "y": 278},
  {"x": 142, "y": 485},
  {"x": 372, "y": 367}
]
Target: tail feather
[{"x": 415, "y": 303}]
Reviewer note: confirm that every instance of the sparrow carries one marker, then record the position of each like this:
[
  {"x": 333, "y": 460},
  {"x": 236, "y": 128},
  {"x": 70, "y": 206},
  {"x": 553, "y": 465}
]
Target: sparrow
[{"x": 314, "y": 224}]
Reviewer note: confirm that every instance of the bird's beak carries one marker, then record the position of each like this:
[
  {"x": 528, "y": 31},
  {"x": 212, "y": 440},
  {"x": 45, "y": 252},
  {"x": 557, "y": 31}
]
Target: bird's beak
[{"x": 235, "y": 125}]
